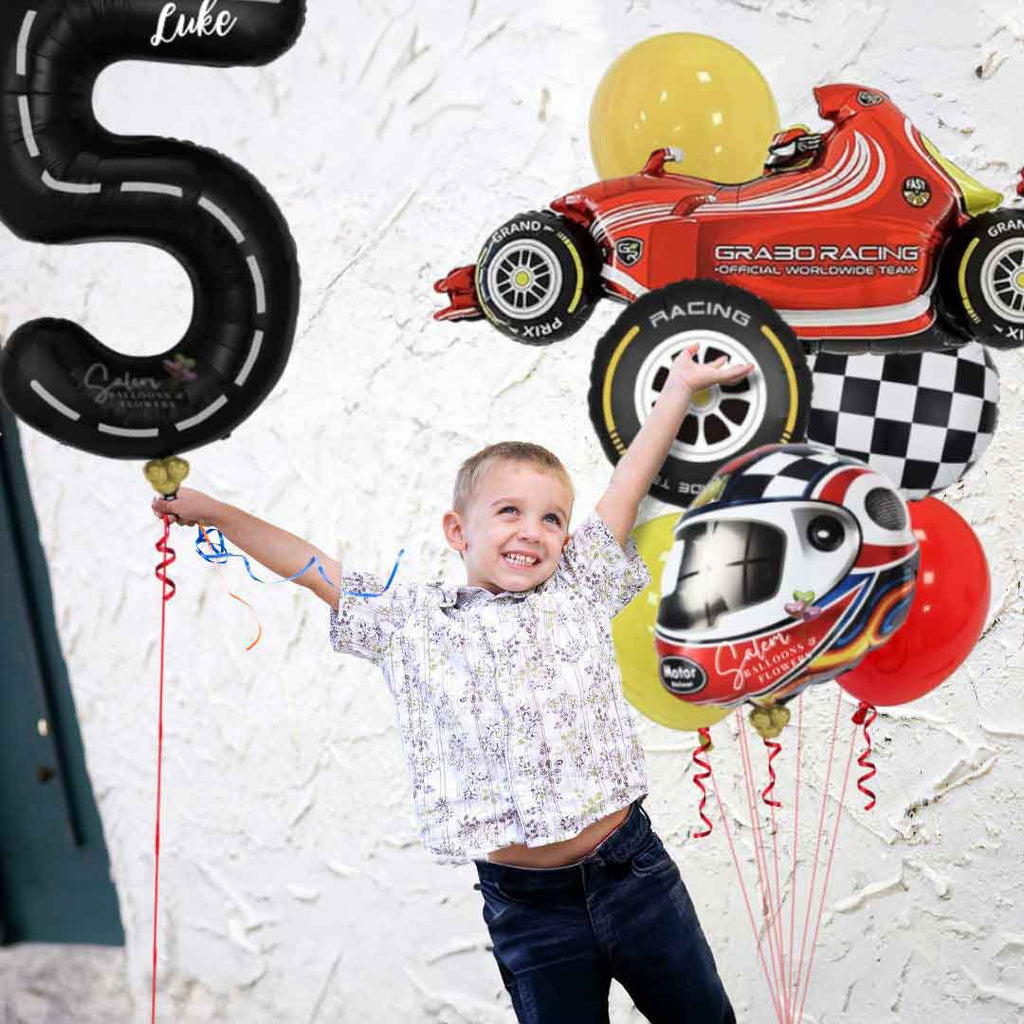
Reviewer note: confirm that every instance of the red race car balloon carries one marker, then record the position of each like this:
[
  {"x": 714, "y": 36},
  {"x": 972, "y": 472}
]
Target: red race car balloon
[
  {"x": 859, "y": 237},
  {"x": 843, "y": 237},
  {"x": 946, "y": 617}
]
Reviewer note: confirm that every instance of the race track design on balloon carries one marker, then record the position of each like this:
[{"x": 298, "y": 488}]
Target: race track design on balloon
[{"x": 65, "y": 179}]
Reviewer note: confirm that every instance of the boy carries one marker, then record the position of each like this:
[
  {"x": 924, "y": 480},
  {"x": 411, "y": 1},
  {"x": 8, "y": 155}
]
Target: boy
[{"x": 521, "y": 750}]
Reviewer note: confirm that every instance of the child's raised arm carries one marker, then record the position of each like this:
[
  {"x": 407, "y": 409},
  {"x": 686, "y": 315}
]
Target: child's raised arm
[
  {"x": 280, "y": 551},
  {"x": 636, "y": 469}
]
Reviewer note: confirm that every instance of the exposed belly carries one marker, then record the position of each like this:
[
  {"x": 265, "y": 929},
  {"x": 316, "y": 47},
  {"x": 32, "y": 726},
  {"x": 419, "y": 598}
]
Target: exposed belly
[{"x": 567, "y": 851}]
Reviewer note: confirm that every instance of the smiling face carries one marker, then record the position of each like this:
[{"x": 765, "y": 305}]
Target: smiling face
[{"x": 513, "y": 528}]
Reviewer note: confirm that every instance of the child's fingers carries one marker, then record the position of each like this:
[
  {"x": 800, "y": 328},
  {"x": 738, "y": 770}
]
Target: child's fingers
[
  {"x": 730, "y": 374},
  {"x": 741, "y": 370},
  {"x": 161, "y": 507}
]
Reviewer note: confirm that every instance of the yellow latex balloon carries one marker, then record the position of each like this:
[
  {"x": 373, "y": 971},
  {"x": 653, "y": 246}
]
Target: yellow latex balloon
[
  {"x": 686, "y": 90},
  {"x": 633, "y": 633}
]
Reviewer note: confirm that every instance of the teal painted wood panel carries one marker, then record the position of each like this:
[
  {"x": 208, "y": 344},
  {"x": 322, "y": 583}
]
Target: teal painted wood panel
[{"x": 55, "y": 881}]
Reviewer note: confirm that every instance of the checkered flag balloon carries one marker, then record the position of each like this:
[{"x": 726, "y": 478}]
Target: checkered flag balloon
[
  {"x": 779, "y": 471},
  {"x": 922, "y": 419}
]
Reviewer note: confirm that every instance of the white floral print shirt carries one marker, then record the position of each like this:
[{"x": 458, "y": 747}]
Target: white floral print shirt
[{"x": 510, "y": 705}]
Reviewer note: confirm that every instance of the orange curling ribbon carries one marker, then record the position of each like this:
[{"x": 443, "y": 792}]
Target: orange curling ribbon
[
  {"x": 241, "y": 600},
  {"x": 773, "y": 749},
  {"x": 700, "y": 759},
  {"x": 864, "y": 716},
  {"x": 259, "y": 625}
]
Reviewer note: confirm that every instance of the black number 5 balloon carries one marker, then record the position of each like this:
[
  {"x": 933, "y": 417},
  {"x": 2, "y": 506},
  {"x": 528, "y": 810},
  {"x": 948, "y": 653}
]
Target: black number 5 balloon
[{"x": 64, "y": 178}]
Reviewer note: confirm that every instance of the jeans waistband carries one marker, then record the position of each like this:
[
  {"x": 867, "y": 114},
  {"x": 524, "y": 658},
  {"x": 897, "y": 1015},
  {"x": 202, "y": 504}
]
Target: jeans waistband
[{"x": 617, "y": 848}]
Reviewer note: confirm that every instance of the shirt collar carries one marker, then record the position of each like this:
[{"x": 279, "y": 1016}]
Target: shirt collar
[{"x": 461, "y": 597}]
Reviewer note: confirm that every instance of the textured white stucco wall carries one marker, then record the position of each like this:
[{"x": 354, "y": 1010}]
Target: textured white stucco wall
[{"x": 293, "y": 889}]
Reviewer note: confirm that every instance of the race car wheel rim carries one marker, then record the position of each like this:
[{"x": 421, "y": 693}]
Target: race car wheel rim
[
  {"x": 524, "y": 279},
  {"x": 721, "y": 419},
  {"x": 1002, "y": 280}
]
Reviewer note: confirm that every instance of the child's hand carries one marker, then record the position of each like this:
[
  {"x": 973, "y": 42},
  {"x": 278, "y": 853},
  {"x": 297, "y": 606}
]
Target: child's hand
[
  {"x": 189, "y": 508},
  {"x": 695, "y": 376}
]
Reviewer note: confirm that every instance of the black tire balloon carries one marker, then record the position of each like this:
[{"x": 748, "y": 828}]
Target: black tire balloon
[
  {"x": 631, "y": 364},
  {"x": 981, "y": 278},
  {"x": 64, "y": 178},
  {"x": 537, "y": 278}
]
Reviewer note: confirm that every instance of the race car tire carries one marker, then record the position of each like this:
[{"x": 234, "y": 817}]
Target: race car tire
[
  {"x": 770, "y": 406},
  {"x": 537, "y": 278},
  {"x": 981, "y": 279}
]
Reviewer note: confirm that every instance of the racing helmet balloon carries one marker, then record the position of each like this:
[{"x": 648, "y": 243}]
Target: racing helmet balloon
[{"x": 788, "y": 568}]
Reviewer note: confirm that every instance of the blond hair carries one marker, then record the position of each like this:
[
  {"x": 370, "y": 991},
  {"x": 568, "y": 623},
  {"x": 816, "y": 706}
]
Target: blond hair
[{"x": 473, "y": 469}]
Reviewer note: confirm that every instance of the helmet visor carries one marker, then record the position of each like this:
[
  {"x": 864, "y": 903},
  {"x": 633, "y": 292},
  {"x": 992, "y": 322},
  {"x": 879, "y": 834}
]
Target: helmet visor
[{"x": 726, "y": 565}]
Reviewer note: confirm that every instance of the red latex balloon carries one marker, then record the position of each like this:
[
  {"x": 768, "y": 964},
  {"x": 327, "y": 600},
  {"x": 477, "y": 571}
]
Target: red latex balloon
[{"x": 946, "y": 617}]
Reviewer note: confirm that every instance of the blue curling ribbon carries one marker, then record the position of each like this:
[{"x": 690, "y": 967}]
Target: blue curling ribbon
[{"x": 220, "y": 554}]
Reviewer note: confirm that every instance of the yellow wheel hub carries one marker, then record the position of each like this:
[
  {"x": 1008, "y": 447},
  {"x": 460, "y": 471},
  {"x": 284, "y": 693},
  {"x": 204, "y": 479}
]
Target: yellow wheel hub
[
  {"x": 522, "y": 278},
  {"x": 701, "y": 398},
  {"x": 1020, "y": 279}
]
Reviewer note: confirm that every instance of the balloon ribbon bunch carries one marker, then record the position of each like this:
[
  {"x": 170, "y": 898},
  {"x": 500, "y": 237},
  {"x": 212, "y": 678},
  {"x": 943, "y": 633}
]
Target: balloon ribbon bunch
[{"x": 786, "y": 955}]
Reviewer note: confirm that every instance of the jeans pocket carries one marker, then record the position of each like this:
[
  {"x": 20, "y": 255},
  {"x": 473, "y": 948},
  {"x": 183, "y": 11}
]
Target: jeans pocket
[
  {"x": 523, "y": 897},
  {"x": 497, "y": 902},
  {"x": 651, "y": 858}
]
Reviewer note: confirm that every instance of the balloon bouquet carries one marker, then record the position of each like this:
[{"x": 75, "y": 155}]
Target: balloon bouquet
[
  {"x": 796, "y": 564},
  {"x": 66, "y": 179}
]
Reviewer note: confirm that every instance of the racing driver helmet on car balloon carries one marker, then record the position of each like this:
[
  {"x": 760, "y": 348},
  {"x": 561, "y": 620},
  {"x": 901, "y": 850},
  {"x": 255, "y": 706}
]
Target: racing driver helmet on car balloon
[{"x": 788, "y": 568}]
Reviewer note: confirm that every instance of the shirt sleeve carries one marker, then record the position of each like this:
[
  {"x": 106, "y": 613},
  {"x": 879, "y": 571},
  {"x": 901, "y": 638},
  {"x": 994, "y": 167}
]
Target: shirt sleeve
[
  {"x": 366, "y": 626},
  {"x": 593, "y": 560}
]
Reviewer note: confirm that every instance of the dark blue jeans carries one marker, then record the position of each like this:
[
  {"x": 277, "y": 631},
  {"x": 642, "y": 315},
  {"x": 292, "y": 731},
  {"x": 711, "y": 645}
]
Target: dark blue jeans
[{"x": 561, "y": 934}]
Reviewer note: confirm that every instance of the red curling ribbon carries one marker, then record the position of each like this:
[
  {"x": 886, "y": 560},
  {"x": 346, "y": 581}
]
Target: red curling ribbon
[
  {"x": 169, "y": 557},
  {"x": 773, "y": 751},
  {"x": 700, "y": 759},
  {"x": 167, "y": 592},
  {"x": 864, "y": 716}
]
